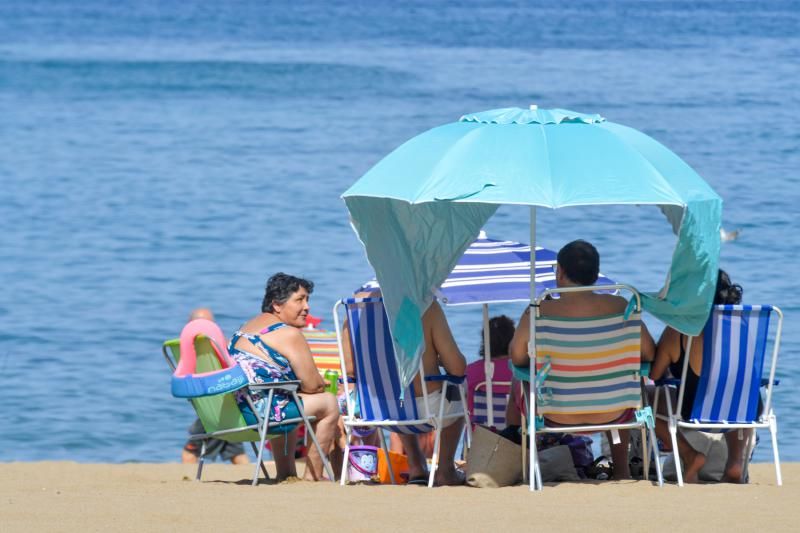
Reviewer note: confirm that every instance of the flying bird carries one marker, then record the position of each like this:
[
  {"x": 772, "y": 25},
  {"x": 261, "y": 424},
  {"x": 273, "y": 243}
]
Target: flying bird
[{"x": 726, "y": 236}]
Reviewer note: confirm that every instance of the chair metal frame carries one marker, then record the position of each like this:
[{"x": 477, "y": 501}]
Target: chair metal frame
[
  {"x": 351, "y": 420},
  {"x": 767, "y": 420},
  {"x": 534, "y": 476},
  {"x": 262, "y": 425}
]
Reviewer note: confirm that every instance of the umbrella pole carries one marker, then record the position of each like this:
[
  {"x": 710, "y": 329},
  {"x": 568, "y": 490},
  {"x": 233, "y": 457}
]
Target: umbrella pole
[
  {"x": 488, "y": 367},
  {"x": 532, "y": 459}
]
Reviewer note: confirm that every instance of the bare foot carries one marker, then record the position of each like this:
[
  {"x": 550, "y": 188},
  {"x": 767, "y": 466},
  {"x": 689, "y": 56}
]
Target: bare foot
[
  {"x": 693, "y": 463},
  {"x": 734, "y": 473},
  {"x": 453, "y": 478}
]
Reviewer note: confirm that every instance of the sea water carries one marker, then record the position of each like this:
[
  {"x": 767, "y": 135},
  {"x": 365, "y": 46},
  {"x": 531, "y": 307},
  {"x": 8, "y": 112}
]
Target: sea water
[{"x": 160, "y": 156}]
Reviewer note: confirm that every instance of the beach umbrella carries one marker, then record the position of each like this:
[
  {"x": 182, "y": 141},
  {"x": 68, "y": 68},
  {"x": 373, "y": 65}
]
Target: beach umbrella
[{"x": 418, "y": 209}]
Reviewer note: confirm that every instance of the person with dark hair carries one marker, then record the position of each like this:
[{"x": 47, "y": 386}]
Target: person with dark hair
[
  {"x": 578, "y": 264},
  {"x": 670, "y": 356},
  {"x": 270, "y": 347},
  {"x": 501, "y": 331}
]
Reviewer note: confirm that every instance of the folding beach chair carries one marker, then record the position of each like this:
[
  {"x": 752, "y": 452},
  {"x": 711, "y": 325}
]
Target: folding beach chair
[
  {"x": 220, "y": 414},
  {"x": 479, "y": 402},
  {"x": 587, "y": 366},
  {"x": 378, "y": 383},
  {"x": 735, "y": 341}
]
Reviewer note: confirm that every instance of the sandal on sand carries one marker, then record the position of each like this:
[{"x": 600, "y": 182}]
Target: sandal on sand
[
  {"x": 600, "y": 469},
  {"x": 420, "y": 481}
]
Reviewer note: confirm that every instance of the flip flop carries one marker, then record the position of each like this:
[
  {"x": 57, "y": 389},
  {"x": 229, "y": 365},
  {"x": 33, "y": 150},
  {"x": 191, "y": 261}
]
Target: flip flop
[{"x": 420, "y": 481}]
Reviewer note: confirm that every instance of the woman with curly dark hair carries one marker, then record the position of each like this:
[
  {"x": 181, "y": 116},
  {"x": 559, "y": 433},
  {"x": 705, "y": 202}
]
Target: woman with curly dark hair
[{"x": 270, "y": 347}]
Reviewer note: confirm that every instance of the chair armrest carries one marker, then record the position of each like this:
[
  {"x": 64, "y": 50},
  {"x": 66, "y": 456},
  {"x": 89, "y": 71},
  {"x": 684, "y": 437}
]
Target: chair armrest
[
  {"x": 456, "y": 380},
  {"x": 521, "y": 373},
  {"x": 667, "y": 382},
  {"x": 290, "y": 386},
  {"x": 765, "y": 382}
]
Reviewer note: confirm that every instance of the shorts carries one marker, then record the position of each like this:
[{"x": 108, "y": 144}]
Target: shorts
[
  {"x": 289, "y": 410},
  {"x": 450, "y": 407},
  {"x": 214, "y": 447}
]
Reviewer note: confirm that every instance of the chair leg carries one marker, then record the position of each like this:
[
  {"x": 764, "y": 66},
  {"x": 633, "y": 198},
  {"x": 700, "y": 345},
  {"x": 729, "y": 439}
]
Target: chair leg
[
  {"x": 310, "y": 431},
  {"x": 262, "y": 434},
  {"x": 524, "y": 432},
  {"x": 467, "y": 422},
  {"x": 385, "y": 448},
  {"x": 343, "y": 480},
  {"x": 773, "y": 433},
  {"x": 659, "y": 475},
  {"x": 263, "y": 466},
  {"x": 537, "y": 471},
  {"x": 673, "y": 434},
  {"x": 644, "y": 450},
  {"x": 435, "y": 458},
  {"x": 201, "y": 460}
]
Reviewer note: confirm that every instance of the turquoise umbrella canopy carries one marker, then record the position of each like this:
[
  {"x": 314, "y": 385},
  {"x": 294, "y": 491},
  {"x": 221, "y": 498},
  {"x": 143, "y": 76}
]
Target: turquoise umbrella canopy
[{"x": 420, "y": 207}]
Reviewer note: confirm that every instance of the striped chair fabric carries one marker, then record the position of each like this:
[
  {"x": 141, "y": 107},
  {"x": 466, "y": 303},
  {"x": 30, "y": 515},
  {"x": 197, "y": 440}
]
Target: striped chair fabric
[
  {"x": 500, "y": 393},
  {"x": 594, "y": 364},
  {"x": 377, "y": 376},
  {"x": 734, "y": 345},
  {"x": 324, "y": 349}
]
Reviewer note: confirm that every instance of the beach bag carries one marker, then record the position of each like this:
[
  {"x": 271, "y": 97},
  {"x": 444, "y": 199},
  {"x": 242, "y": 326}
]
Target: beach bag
[
  {"x": 556, "y": 464},
  {"x": 493, "y": 460},
  {"x": 362, "y": 464},
  {"x": 399, "y": 467}
]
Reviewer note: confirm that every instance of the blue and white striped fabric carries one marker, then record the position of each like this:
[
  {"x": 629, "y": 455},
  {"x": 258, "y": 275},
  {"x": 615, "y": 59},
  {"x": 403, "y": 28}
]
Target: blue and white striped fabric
[
  {"x": 493, "y": 271},
  {"x": 734, "y": 345},
  {"x": 500, "y": 399},
  {"x": 377, "y": 381}
]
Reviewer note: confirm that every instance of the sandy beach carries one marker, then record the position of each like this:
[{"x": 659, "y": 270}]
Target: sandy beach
[{"x": 65, "y": 496}]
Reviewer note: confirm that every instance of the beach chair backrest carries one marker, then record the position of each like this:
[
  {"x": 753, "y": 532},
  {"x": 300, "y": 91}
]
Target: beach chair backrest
[
  {"x": 219, "y": 412},
  {"x": 734, "y": 346},
  {"x": 589, "y": 365},
  {"x": 377, "y": 375},
  {"x": 324, "y": 349},
  {"x": 479, "y": 414}
]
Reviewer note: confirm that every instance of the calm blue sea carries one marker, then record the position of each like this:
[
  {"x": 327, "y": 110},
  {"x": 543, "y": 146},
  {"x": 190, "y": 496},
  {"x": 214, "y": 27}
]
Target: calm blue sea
[{"x": 159, "y": 156}]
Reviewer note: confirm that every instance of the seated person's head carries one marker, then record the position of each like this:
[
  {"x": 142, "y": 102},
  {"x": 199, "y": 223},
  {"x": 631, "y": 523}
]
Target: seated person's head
[
  {"x": 727, "y": 292},
  {"x": 287, "y": 297},
  {"x": 578, "y": 264},
  {"x": 501, "y": 331},
  {"x": 202, "y": 312}
]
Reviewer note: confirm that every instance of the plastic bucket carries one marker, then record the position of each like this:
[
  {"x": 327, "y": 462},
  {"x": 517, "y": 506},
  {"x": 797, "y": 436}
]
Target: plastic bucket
[
  {"x": 362, "y": 464},
  {"x": 399, "y": 467}
]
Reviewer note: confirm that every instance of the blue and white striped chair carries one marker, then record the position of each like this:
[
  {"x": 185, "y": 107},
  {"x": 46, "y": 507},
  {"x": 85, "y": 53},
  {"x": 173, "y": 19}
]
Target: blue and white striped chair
[
  {"x": 734, "y": 346},
  {"x": 378, "y": 382}
]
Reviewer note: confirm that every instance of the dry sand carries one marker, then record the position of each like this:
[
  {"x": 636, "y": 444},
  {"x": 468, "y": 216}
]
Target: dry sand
[{"x": 66, "y": 496}]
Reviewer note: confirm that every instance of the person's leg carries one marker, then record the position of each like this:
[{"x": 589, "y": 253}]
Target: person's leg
[
  {"x": 396, "y": 444},
  {"x": 325, "y": 408},
  {"x": 693, "y": 461},
  {"x": 283, "y": 453},
  {"x": 417, "y": 464},
  {"x": 240, "y": 459},
  {"x": 513, "y": 413},
  {"x": 734, "y": 467},
  {"x": 446, "y": 472},
  {"x": 619, "y": 454}
]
